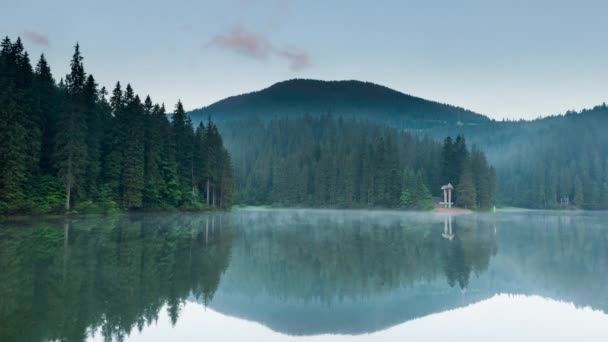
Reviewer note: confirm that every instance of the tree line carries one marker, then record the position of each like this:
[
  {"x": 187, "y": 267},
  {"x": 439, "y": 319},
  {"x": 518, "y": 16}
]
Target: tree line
[
  {"x": 554, "y": 162},
  {"x": 562, "y": 164},
  {"x": 330, "y": 162},
  {"x": 71, "y": 146}
]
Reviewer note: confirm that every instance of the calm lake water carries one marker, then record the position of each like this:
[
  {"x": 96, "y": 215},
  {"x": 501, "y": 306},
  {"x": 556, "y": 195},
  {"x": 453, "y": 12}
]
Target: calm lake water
[{"x": 314, "y": 275}]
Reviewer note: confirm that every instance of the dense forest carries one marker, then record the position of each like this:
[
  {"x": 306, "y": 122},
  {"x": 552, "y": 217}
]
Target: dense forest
[
  {"x": 73, "y": 146},
  {"x": 328, "y": 162},
  {"x": 555, "y": 162},
  {"x": 68, "y": 147}
]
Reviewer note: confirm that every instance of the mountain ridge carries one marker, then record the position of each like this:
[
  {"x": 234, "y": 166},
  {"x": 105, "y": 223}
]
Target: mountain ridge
[{"x": 346, "y": 98}]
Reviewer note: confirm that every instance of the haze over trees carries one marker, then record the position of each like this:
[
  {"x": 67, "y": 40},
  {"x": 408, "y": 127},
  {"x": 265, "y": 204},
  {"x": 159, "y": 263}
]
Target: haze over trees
[
  {"x": 71, "y": 146},
  {"x": 328, "y": 162},
  {"x": 554, "y": 162}
]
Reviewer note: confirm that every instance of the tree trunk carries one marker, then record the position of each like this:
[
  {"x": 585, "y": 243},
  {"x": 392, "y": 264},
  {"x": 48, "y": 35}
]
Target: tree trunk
[
  {"x": 213, "y": 197},
  {"x": 221, "y": 197},
  {"x": 68, "y": 190},
  {"x": 207, "y": 191},
  {"x": 68, "y": 183},
  {"x": 193, "y": 180}
]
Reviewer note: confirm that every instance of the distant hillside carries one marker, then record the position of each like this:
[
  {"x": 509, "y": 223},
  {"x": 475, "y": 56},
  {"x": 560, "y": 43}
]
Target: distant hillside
[
  {"x": 349, "y": 99},
  {"x": 554, "y": 162}
]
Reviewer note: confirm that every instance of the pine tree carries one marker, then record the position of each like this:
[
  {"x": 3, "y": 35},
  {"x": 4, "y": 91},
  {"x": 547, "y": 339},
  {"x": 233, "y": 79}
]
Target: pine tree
[
  {"x": 467, "y": 197},
  {"x": 184, "y": 138},
  {"x": 113, "y": 145},
  {"x": 152, "y": 154},
  {"x": 227, "y": 181},
  {"x": 579, "y": 197},
  {"x": 199, "y": 158},
  {"x": 93, "y": 138},
  {"x": 46, "y": 100},
  {"x": 132, "y": 181},
  {"x": 168, "y": 166},
  {"x": 71, "y": 151}
]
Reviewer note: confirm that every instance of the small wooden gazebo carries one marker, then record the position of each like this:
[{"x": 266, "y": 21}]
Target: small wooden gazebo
[{"x": 447, "y": 195}]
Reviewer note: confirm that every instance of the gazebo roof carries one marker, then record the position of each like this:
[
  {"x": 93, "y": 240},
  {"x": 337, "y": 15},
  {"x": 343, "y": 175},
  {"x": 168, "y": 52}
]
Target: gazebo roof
[{"x": 447, "y": 187}]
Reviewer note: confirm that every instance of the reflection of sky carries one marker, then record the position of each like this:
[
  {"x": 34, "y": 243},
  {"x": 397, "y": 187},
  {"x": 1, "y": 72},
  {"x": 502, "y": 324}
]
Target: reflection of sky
[
  {"x": 502, "y": 58},
  {"x": 500, "y": 318}
]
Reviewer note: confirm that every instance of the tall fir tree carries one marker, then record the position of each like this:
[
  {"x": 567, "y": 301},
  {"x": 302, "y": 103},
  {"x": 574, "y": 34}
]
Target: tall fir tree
[
  {"x": 71, "y": 149},
  {"x": 132, "y": 182}
]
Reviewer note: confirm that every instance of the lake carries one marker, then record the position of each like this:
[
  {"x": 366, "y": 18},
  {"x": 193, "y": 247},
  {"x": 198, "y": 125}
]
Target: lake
[{"x": 313, "y": 275}]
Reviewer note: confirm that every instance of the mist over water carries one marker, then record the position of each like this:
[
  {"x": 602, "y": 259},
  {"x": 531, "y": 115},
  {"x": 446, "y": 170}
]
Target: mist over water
[{"x": 265, "y": 274}]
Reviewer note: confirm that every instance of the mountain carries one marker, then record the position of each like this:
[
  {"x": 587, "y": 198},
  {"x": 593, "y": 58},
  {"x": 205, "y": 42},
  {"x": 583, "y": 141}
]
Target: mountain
[
  {"x": 554, "y": 162},
  {"x": 349, "y": 99}
]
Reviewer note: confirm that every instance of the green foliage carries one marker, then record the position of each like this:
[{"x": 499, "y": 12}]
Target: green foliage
[
  {"x": 473, "y": 178},
  {"x": 415, "y": 193},
  {"x": 328, "y": 162},
  {"x": 46, "y": 195},
  {"x": 106, "y": 155},
  {"x": 466, "y": 193},
  {"x": 535, "y": 163}
]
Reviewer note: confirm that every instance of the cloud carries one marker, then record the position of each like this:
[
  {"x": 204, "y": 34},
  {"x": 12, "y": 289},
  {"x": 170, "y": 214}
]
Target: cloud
[
  {"x": 36, "y": 38},
  {"x": 258, "y": 46},
  {"x": 244, "y": 42},
  {"x": 298, "y": 59}
]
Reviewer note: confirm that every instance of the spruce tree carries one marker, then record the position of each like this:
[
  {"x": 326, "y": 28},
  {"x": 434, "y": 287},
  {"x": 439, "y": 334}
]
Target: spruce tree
[
  {"x": 466, "y": 195},
  {"x": 152, "y": 154},
  {"x": 132, "y": 181},
  {"x": 184, "y": 137},
  {"x": 114, "y": 145},
  {"x": 93, "y": 137},
  {"x": 71, "y": 151},
  {"x": 46, "y": 99}
]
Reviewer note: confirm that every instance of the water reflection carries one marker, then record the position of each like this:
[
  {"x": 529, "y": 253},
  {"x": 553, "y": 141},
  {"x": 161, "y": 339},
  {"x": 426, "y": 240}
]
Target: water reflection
[
  {"x": 62, "y": 279},
  {"x": 297, "y": 272}
]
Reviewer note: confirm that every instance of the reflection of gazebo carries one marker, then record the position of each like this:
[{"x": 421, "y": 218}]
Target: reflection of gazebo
[
  {"x": 447, "y": 228},
  {"x": 447, "y": 195}
]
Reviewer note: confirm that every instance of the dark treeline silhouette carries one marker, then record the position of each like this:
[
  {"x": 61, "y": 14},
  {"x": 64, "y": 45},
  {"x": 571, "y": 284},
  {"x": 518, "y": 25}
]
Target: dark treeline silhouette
[
  {"x": 328, "y": 162},
  {"x": 70, "y": 147},
  {"x": 349, "y": 99}
]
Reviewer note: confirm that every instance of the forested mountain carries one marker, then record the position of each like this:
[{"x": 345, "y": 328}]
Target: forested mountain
[
  {"x": 349, "y": 99},
  {"x": 69, "y": 147},
  {"x": 555, "y": 162},
  {"x": 328, "y": 162}
]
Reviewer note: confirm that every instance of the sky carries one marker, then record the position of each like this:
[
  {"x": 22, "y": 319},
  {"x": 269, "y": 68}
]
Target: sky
[
  {"x": 501, "y": 318},
  {"x": 505, "y": 59}
]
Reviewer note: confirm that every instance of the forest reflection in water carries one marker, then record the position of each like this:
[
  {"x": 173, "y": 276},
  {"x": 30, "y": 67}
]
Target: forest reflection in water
[{"x": 298, "y": 272}]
